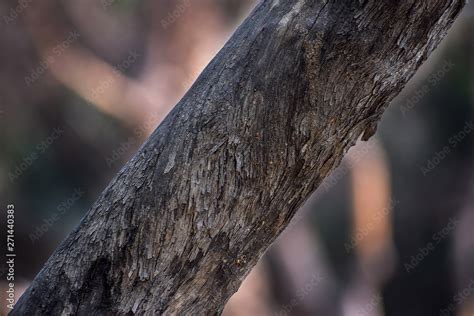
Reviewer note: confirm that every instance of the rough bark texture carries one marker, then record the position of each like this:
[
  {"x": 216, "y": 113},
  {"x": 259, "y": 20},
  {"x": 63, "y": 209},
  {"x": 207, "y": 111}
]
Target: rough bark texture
[{"x": 185, "y": 220}]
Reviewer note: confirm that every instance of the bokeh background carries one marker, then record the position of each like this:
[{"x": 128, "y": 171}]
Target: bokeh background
[{"x": 390, "y": 232}]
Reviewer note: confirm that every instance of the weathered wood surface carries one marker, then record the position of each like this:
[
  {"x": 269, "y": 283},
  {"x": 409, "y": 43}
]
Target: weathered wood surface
[{"x": 185, "y": 220}]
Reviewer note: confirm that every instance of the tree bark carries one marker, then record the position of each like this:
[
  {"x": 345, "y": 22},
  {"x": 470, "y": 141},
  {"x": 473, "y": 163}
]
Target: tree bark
[{"x": 185, "y": 220}]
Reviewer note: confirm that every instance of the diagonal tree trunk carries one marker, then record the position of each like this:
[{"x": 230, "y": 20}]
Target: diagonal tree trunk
[{"x": 185, "y": 220}]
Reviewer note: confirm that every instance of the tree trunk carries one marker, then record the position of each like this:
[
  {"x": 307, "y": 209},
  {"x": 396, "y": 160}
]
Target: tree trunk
[{"x": 185, "y": 220}]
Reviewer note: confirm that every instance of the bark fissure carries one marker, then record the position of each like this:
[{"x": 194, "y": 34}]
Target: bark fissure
[{"x": 185, "y": 220}]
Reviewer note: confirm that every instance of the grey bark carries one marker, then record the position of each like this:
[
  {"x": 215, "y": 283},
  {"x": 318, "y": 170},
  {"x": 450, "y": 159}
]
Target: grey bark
[{"x": 185, "y": 220}]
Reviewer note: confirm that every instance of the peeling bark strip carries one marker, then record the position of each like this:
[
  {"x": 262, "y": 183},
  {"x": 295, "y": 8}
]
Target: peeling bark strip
[{"x": 185, "y": 220}]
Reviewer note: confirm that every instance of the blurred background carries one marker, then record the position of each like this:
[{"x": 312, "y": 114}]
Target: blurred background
[{"x": 390, "y": 232}]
